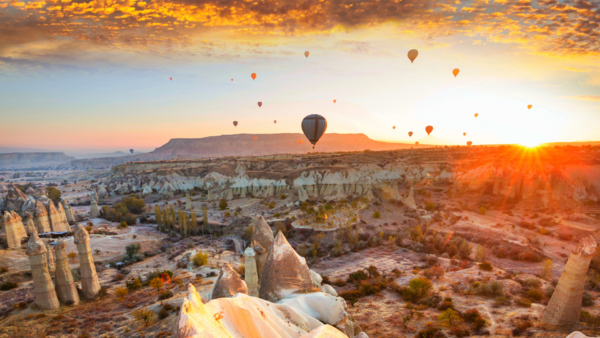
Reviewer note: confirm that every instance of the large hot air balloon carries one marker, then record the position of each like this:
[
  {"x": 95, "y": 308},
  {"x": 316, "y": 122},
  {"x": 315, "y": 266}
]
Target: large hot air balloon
[
  {"x": 529, "y": 106},
  {"x": 469, "y": 143},
  {"x": 253, "y": 75},
  {"x": 131, "y": 151},
  {"x": 464, "y": 134},
  {"x": 314, "y": 126},
  {"x": 455, "y": 71},
  {"x": 334, "y": 101},
  {"x": 410, "y": 134},
  {"x": 275, "y": 121},
  {"x": 259, "y": 104},
  {"x": 299, "y": 141},
  {"x": 429, "y": 129},
  {"x": 235, "y": 123},
  {"x": 307, "y": 53},
  {"x": 476, "y": 114},
  {"x": 417, "y": 143},
  {"x": 254, "y": 137},
  {"x": 394, "y": 127},
  {"x": 412, "y": 55}
]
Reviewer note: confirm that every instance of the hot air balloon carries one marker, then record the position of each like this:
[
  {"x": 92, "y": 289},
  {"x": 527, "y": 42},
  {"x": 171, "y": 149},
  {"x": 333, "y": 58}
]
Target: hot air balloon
[
  {"x": 394, "y": 127},
  {"x": 410, "y": 134},
  {"x": 469, "y": 143},
  {"x": 455, "y": 71},
  {"x": 417, "y": 143},
  {"x": 254, "y": 137},
  {"x": 476, "y": 114},
  {"x": 412, "y": 55},
  {"x": 334, "y": 101},
  {"x": 307, "y": 53},
  {"x": 231, "y": 79},
  {"x": 314, "y": 126},
  {"x": 275, "y": 121},
  {"x": 529, "y": 106},
  {"x": 464, "y": 134},
  {"x": 299, "y": 141},
  {"x": 235, "y": 123},
  {"x": 253, "y": 75},
  {"x": 259, "y": 104},
  {"x": 429, "y": 129},
  {"x": 131, "y": 151},
  {"x": 171, "y": 78}
]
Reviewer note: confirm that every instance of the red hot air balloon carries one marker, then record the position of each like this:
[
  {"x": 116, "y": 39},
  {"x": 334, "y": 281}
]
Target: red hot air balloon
[
  {"x": 231, "y": 79},
  {"x": 259, "y": 104},
  {"x": 253, "y": 75},
  {"x": 171, "y": 78},
  {"x": 254, "y": 137},
  {"x": 412, "y": 55},
  {"x": 410, "y": 134},
  {"x": 235, "y": 123},
  {"x": 429, "y": 129},
  {"x": 299, "y": 141},
  {"x": 275, "y": 121},
  {"x": 469, "y": 143}
]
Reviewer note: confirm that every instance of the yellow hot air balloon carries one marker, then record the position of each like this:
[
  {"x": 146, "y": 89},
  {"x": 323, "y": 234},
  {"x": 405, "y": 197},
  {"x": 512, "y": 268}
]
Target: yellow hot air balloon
[
  {"x": 476, "y": 114},
  {"x": 410, "y": 134},
  {"x": 529, "y": 106},
  {"x": 253, "y": 75},
  {"x": 412, "y": 55},
  {"x": 307, "y": 53},
  {"x": 464, "y": 134},
  {"x": 429, "y": 129},
  {"x": 455, "y": 71}
]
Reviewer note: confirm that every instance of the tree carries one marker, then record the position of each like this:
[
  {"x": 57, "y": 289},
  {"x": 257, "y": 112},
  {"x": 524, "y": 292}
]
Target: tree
[
  {"x": 204, "y": 218},
  {"x": 194, "y": 223},
  {"x": 158, "y": 216},
  {"x": 481, "y": 254},
  {"x": 222, "y": 204},
  {"x": 156, "y": 283},
  {"x": 144, "y": 315},
  {"x": 53, "y": 194},
  {"x": 72, "y": 255},
  {"x": 546, "y": 272},
  {"x": 450, "y": 317}
]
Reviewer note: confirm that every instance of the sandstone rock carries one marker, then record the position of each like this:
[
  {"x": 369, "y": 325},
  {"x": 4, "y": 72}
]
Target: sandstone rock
[
  {"x": 14, "y": 199},
  {"x": 28, "y": 223},
  {"x": 251, "y": 274},
  {"x": 316, "y": 278},
  {"x": 262, "y": 240},
  {"x": 410, "y": 200},
  {"x": 58, "y": 221},
  {"x": 188, "y": 202},
  {"x": 49, "y": 258},
  {"x": 89, "y": 278},
  {"x": 68, "y": 211},
  {"x": 65, "y": 285},
  {"x": 94, "y": 211},
  {"x": 284, "y": 272},
  {"x": 388, "y": 192},
  {"x": 45, "y": 295},
  {"x": 329, "y": 289},
  {"x": 564, "y": 307},
  {"x": 11, "y": 227},
  {"x": 102, "y": 193},
  {"x": 228, "y": 283},
  {"x": 302, "y": 195},
  {"x": 322, "y": 306},
  {"x": 40, "y": 218},
  {"x": 229, "y": 195}
]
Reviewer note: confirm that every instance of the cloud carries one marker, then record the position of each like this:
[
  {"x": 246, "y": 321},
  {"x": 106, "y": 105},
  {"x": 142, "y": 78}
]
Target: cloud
[{"x": 587, "y": 97}]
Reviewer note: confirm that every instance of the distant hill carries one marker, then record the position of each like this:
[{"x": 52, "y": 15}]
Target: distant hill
[
  {"x": 5, "y": 150},
  {"x": 33, "y": 160},
  {"x": 103, "y": 155},
  {"x": 432, "y": 140}
]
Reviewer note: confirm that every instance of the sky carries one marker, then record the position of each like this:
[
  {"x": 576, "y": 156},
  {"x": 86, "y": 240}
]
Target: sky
[{"x": 97, "y": 74}]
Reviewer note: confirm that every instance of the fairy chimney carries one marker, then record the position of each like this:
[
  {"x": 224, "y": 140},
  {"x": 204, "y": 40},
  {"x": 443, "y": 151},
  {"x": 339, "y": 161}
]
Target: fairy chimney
[
  {"x": 228, "y": 283},
  {"x": 262, "y": 240},
  {"x": 89, "y": 278},
  {"x": 65, "y": 285},
  {"x": 45, "y": 295}
]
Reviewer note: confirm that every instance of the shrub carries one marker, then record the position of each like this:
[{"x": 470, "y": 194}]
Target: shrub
[
  {"x": 460, "y": 331},
  {"x": 356, "y": 276},
  {"x": 156, "y": 283},
  {"x": 53, "y": 194},
  {"x": 534, "y": 295},
  {"x": 339, "y": 282},
  {"x": 3, "y": 269},
  {"x": 352, "y": 295},
  {"x": 434, "y": 272},
  {"x": 481, "y": 210},
  {"x": 491, "y": 289},
  {"x": 72, "y": 255},
  {"x": 446, "y": 304},
  {"x": 549, "y": 291},
  {"x": 586, "y": 299},
  {"x": 227, "y": 214},
  {"x": 165, "y": 295},
  {"x": 8, "y": 286},
  {"x": 103, "y": 292},
  {"x": 418, "y": 288},
  {"x": 532, "y": 283},
  {"x": 133, "y": 283},
  {"x": 376, "y": 214},
  {"x": 122, "y": 225},
  {"x": 471, "y": 315},
  {"x": 200, "y": 259},
  {"x": 500, "y": 301},
  {"x": 121, "y": 292},
  {"x": 130, "y": 219},
  {"x": 283, "y": 196},
  {"x": 132, "y": 249},
  {"x": 521, "y": 327},
  {"x": 486, "y": 266},
  {"x": 163, "y": 313},
  {"x": 144, "y": 315},
  {"x": 524, "y": 302},
  {"x": 222, "y": 204},
  {"x": 134, "y": 204},
  {"x": 450, "y": 317},
  {"x": 430, "y": 332}
]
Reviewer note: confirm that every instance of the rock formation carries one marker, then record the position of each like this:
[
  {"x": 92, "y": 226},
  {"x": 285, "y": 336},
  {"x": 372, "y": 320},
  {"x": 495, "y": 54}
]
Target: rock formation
[
  {"x": 65, "y": 285},
  {"x": 564, "y": 307},
  {"x": 251, "y": 274},
  {"x": 28, "y": 223},
  {"x": 410, "y": 200},
  {"x": 15, "y": 199},
  {"x": 45, "y": 295},
  {"x": 228, "y": 283},
  {"x": 188, "y": 202},
  {"x": 14, "y": 229},
  {"x": 40, "y": 218},
  {"x": 89, "y": 278},
  {"x": 68, "y": 211},
  {"x": 284, "y": 272},
  {"x": 58, "y": 221},
  {"x": 262, "y": 240},
  {"x": 49, "y": 258},
  {"x": 94, "y": 211}
]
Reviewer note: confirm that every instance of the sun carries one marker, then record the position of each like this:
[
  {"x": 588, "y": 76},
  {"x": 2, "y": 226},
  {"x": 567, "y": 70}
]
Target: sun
[{"x": 530, "y": 144}]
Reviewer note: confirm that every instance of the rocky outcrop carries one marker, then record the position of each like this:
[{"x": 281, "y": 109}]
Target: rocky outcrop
[
  {"x": 49, "y": 258},
  {"x": 58, "y": 220},
  {"x": 262, "y": 240},
  {"x": 65, "y": 285},
  {"x": 94, "y": 211},
  {"x": 14, "y": 199},
  {"x": 40, "y": 218},
  {"x": 188, "y": 202},
  {"x": 68, "y": 211},
  {"x": 28, "y": 223},
  {"x": 45, "y": 295},
  {"x": 228, "y": 283},
  {"x": 284, "y": 272},
  {"x": 410, "y": 200},
  {"x": 564, "y": 307},
  {"x": 14, "y": 229},
  {"x": 89, "y": 278},
  {"x": 251, "y": 273}
]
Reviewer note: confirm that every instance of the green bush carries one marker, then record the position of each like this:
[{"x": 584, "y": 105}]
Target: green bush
[
  {"x": 486, "y": 266},
  {"x": 491, "y": 289},
  {"x": 534, "y": 295},
  {"x": 430, "y": 332},
  {"x": 53, "y": 194},
  {"x": 134, "y": 204},
  {"x": 523, "y": 302},
  {"x": 357, "y": 276},
  {"x": 532, "y": 283},
  {"x": 133, "y": 283},
  {"x": 130, "y": 219},
  {"x": 376, "y": 214},
  {"x": 122, "y": 225},
  {"x": 165, "y": 295},
  {"x": 200, "y": 259},
  {"x": 222, "y": 204}
]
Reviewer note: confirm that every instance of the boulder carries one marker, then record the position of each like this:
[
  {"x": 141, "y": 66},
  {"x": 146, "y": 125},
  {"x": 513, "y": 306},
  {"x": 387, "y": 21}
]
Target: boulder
[{"x": 228, "y": 283}]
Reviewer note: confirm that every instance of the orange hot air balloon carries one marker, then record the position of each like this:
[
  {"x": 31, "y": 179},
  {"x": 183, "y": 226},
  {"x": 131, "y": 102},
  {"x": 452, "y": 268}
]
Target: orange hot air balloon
[
  {"x": 412, "y": 55},
  {"x": 299, "y": 141},
  {"x": 476, "y": 114},
  {"x": 253, "y": 76},
  {"x": 417, "y": 143},
  {"x": 165, "y": 278},
  {"x": 231, "y": 79},
  {"x": 529, "y": 106},
  {"x": 275, "y": 121},
  {"x": 394, "y": 127},
  {"x": 429, "y": 129},
  {"x": 410, "y": 134},
  {"x": 464, "y": 134},
  {"x": 235, "y": 123},
  {"x": 455, "y": 71},
  {"x": 307, "y": 53},
  {"x": 171, "y": 78},
  {"x": 259, "y": 104},
  {"x": 254, "y": 137},
  {"x": 334, "y": 101},
  {"x": 469, "y": 143}
]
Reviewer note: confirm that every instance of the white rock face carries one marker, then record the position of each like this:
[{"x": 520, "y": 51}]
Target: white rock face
[{"x": 319, "y": 305}]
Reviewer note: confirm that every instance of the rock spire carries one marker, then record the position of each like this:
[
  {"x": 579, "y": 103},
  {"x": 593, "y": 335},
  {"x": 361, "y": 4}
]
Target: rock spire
[
  {"x": 228, "y": 283},
  {"x": 65, "y": 285},
  {"x": 250, "y": 274},
  {"x": 262, "y": 240},
  {"x": 89, "y": 278},
  {"x": 45, "y": 295},
  {"x": 40, "y": 218}
]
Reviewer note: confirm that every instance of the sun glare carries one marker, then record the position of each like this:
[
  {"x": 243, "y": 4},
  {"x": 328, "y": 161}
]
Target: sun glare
[{"x": 530, "y": 144}]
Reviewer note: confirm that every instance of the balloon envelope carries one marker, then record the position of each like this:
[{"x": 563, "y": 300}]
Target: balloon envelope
[
  {"x": 412, "y": 55},
  {"x": 231, "y": 79},
  {"x": 429, "y": 129},
  {"x": 410, "y": 134},
  {"x": 131, "y": 151},
  {"x": 254, "y": 138},
  {"x": 275, "y": 121},
  {"x": 259, "y": 104},
  {"x": 469, "y": 143},
  {"x": 253, "y": 76},
  {"x": 476, "y": 114},
  {"x": 299, "y": 141},
  {"x": 235, "y": 123},
  {"x": 455, "y": 72},
  {"x": 394, "y": 127},
  {"x": 314, "y": 126},
  {"x": 529, "y": 106},
  {"x": 464, "y": 134},
  {"x": 306, "y": 53},
  {"x": 334, "y": 101},
  {"x": 171, "y": 78}
]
